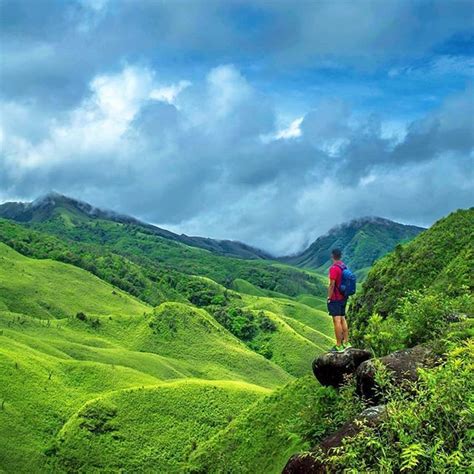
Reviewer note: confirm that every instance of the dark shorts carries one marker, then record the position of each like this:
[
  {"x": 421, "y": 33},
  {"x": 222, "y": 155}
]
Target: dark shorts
[{"x": 337, "y": 307}]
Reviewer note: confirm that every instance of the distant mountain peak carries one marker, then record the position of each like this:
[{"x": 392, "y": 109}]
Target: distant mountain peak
[
  {"x": 43, "y": 208},
  {"x": 51, "y": 197},
  {"x": 362, "y": 241},
  {"x": 359, "y": 222}
]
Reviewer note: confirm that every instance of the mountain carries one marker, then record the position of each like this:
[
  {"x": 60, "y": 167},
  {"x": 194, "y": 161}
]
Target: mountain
[
  {"x": 154, "y": 250},
  {"x": 112, "y": 359},
  {"x": 362, "y": 242},
  {"x": 46, "y": 207}
]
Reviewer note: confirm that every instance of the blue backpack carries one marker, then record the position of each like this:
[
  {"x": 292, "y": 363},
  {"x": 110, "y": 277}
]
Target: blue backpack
[{"x": 348, "y": 282}]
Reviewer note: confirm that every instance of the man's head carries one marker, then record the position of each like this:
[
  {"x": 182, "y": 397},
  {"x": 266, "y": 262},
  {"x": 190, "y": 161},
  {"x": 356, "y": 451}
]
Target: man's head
[{"x": 336, "y": 254}]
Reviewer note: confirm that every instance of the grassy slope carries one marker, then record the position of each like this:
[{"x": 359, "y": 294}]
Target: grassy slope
[
  {"x": 50, "y": 368},
  {"x": 438, "y": 259},
  {"x": 35, "y": 288},
  {"x": 153, "y": 429},
  {"x": 302, "y": 331},
  {"x": 263, "y": 437}
]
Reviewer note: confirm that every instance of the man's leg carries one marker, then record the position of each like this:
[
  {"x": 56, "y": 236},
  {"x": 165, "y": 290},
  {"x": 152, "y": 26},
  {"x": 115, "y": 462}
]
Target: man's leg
[
  {"x": 345, "y": 330},
  {"x": 338, "y": 330}
]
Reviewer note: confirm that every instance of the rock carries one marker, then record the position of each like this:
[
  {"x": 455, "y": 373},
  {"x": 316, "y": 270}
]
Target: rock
[
  {"x": 309, "y": 463},
  {"x": 370, "y": 416},
  {"x": 303, "y": 463},
  {"x": 333, "y": 368},
  {"x": 403, "y": 366}
]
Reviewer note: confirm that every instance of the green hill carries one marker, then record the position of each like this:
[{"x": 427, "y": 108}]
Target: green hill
[
  {"x": 263, "y": 437},
  {"x": 150, "y": 429},
  {"x": 45, "y": 208},
  {"x": 362, "y": 242},
  {"x": 36, "y": 288},
  {"x": 71, "y": 340},
  {"x": 68, "y": 337},
  {"x": 439, "y": 261},
  {"x": 154, "y": 249}
]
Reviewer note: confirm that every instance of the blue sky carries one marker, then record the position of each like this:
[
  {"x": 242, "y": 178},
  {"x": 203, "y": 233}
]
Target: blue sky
[{"x": 263, "y": 121}]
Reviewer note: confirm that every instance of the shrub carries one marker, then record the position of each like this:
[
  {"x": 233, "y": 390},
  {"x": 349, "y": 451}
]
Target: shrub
[{"x": 81, "y": 316}]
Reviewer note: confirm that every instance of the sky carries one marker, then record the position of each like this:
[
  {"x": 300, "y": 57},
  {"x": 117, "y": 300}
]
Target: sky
[{"x": 267, "y": 121}]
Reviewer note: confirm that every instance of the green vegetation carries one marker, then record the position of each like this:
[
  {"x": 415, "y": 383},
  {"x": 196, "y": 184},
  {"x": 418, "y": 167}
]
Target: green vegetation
[
  {"x": 425, "y": 282},
  {"x": 68, "y": 337},
  {"x": 125, "y": 350},
  {"x": 263, "y": 437},
  {"x": 154, "y": 249},
  {"x": 150, "y": 282},
  {"x": 362, "y": 242},
  {"x": 36, "y": 288},
  {"x": 427, "y": 430},
  {"x": 152, "y": 429},
  {"x": 420, "y": 293}
]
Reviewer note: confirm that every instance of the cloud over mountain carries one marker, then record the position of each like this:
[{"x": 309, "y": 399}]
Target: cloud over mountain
[{"x": 222, "y": 145}]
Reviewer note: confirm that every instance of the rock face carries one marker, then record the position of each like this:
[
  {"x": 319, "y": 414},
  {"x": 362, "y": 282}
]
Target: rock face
[
  {"x": 308, "y": 463},
  {"x": 403, "y": 366},
  {"x": 333, "y": 368}
]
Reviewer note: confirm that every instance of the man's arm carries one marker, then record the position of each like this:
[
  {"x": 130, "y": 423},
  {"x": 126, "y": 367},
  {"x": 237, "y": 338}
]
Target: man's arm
[{"x": 332, "y": 284}]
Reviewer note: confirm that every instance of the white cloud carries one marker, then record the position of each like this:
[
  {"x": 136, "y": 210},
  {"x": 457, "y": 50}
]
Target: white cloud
[
  {"x": 169, "y": 93},
  {"x": 203, "y": 168},
  {"x": 292, "y": 131}
]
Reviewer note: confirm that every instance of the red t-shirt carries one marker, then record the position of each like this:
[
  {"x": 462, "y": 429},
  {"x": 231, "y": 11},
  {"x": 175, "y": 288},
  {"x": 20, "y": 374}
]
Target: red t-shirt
[{"x": 335, "y": 273}]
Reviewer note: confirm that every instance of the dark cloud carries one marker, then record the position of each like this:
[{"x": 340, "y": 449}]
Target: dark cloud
[
  {"x": 52, "y": 47},
  {"x": 102, "y": 100}
]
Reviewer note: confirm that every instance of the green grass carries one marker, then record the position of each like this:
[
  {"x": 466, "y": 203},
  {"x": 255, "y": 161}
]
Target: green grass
[
  {"x": 151, "y": 429},
  {"x": 36, "y": 288},
  {"x": 172, "y": 374},
  {"x": 262, "y": 438},
  {"x": 52, "y": 363}
]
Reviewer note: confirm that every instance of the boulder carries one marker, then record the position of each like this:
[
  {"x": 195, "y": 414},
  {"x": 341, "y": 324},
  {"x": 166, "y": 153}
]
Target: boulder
[
  {"x": 403, "y": 366},
  {"x": 333, "y": 368},
  {"x": 309, "y": 463}
]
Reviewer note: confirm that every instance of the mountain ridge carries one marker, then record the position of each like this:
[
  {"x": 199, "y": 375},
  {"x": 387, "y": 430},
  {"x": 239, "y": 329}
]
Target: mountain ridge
[
  {"x": 42, "y": 208},
  {"x": 362, "y": 241},
  {"x": 28, "y": 212}
]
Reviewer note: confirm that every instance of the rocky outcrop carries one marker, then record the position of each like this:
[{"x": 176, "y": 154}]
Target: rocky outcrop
[
  {"x": 333, "y": 368},
  {"x": 402, "y": 366},
  {"x": 310, "y": 463}
]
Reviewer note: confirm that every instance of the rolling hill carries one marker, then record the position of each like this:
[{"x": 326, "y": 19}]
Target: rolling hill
[
  {"x": 362, "y": 242},
  {"x": 78, "y": 356},
  {"x": 180, "y": 373}
]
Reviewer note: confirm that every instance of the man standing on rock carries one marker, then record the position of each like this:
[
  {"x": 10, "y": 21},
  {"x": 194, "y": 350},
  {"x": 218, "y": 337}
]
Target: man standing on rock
[{"x": 337, "y": 302}]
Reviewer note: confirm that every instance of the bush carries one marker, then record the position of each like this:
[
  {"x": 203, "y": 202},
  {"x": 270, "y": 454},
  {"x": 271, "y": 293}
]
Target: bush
[{"x": 419, "y": 318}]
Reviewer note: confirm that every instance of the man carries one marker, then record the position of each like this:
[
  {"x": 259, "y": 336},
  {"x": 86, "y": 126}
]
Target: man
[{"x": 337, "y": 302}]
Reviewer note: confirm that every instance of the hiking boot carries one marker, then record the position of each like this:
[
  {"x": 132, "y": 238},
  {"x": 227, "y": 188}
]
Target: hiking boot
[
  {"x": 337, "y": 349},
  {"x": 347, "y": 345}
]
